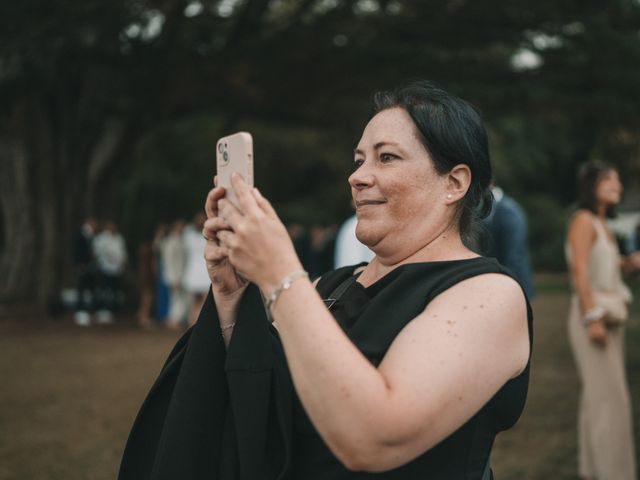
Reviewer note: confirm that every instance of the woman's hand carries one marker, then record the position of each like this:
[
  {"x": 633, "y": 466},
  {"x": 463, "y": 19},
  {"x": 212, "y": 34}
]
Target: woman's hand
[
  {"x": 225, "y": 280},
  {"x": 597, "y": 333},
  {"x": 634, "y": 261},
  {"x": 256, "y": 243}
]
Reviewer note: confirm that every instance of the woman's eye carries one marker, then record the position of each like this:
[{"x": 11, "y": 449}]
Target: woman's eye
[
  {"x": 357, "y": 162},
  {"x": 387, "y": 157}
]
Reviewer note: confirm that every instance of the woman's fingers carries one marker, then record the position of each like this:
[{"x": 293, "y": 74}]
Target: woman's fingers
[
  {"x": 598, "y": 334},
  {"x": 214, "y": 254},
  {"x": 226, "y": 238},
  {"x": 211, "y": 203},
  {"x": 250, "y": 198},
  {"x": 229, "y": 213},
  {"x": 214, "y": 225},
  {"x": 244, "y": 193},
  {"x": 263, "y": 203}
]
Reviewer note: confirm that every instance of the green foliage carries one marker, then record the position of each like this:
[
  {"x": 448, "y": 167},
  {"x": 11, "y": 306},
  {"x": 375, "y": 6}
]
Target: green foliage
[
  {"x": 171, "y": 174},
  {"x": 174, "y": 75},
  {"x": 547, "y": 231},
  {"x": 303, "y": 171}
]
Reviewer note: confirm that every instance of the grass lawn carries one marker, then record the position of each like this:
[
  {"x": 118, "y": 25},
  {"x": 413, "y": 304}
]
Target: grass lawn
[{"x": 70, "y": 395}]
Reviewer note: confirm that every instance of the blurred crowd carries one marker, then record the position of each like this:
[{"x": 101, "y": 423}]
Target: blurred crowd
[
  {"x": 170, "y": 275},
  {"x": 170, "y": 280},
  {"x": 100, "y": 258}
]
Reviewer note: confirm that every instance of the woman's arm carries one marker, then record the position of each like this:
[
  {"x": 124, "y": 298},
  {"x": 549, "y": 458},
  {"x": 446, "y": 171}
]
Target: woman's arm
[
  {"x": 227, "y": 286},
  {"x": 439, "y": 371},
  {"x": 581, "y": 236},
  {"x": 630, "y": 263}
]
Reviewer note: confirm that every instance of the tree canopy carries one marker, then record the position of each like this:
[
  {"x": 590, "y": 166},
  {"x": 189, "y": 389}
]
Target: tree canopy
[{"x": 113, "y": 108}]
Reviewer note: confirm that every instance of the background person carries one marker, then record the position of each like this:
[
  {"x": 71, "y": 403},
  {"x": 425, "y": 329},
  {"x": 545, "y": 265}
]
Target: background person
[
  {"x": 507, "y": 237},
  {"x": 350, "y": 250},
  {"x": 111, "y": 258},
  {"x": 174, "y": 257},
  {"x": 161, "y": 303},
  {"x": 301, "y": 243},
  {"x": 605, "y": 428},
  {"x": 322, "y": 244},
  {"x": 420, "y": 360},
  {"x": 85, "y": 264},
  {"x": 145, "y": 280},
  {"x": 195, "y": 281}
]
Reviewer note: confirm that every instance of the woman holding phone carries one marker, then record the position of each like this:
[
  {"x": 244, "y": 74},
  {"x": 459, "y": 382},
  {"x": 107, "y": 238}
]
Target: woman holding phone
[{"x": 406, "y": 367}]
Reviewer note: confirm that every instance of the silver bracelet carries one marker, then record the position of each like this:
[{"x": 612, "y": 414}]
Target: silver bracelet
[
  {"x": 593, "y": 315},
  {"x": 285, "y": 284}
]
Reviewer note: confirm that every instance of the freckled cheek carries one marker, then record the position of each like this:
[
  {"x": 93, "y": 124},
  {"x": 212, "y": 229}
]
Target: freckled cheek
[{"x": 405, "y": 204}]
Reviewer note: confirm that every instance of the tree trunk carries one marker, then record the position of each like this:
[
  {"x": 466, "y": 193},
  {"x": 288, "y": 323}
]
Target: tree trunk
[
  {"x": 17, "y": 259},
  {"x": 47, "y": 187}
]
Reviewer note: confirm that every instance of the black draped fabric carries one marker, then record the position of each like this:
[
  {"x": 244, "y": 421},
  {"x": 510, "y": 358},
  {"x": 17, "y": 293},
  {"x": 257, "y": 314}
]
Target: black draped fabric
[
  {"x": 234, "y": 415},
  {"x": 210, "y": 412}
]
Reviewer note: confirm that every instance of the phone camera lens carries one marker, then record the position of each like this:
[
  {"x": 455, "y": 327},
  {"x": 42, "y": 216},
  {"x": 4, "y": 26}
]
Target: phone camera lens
[
  {"x": 225, "y": 157},
  {"x": 220, "y": 147}
]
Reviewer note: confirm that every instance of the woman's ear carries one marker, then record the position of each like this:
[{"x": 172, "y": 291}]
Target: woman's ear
[{"x": 457, "y": 183}]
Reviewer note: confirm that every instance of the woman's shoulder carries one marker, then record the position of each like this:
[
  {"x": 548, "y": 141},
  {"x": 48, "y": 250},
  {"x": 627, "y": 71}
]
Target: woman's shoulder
[
  {"x": 478, "y": 273},
  {"x": 582, "y": 217},
  {"x": 497, "y": 283},
  {"x": 582, "y": 221},
  {"x": 460, "y": 268}
]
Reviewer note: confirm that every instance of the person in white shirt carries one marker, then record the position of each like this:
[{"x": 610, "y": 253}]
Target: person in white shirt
[
  {"x": 174, "y": 258},
  {"x": 349, "y": 250},
  {"x": 196, "y": 280},
  {"x": 111, "y": 258}
]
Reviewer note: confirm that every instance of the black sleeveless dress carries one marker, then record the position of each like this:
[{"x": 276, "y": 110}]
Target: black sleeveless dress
[{"x": 231, "y": 414}]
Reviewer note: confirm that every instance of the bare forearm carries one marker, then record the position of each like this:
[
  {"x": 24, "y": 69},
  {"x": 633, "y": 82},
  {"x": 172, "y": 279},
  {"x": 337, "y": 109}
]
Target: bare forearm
[
  {"x": 343, "y": 393},
  {"x": 227, "y": 307},
  {"x": 583, "y": 288},
  {"x": 630, "y": 263}
]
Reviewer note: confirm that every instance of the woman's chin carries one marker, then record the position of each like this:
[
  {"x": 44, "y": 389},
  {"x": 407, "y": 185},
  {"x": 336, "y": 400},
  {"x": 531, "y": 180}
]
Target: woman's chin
[
  {"x": 370, "y": 240},
  {"x": 613, "y": 201},
  {"x": 367, "y": 237}
]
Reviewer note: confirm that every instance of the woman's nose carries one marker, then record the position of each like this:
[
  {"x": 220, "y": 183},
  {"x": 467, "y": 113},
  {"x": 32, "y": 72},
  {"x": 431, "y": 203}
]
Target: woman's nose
[{"x": 362, "y": 177}]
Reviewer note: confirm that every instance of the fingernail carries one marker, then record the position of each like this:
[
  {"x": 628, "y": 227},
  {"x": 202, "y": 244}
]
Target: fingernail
[{"x": 257, "y": 192}]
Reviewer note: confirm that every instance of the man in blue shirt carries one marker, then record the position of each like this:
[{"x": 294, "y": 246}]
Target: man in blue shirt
[{"x": 507, "y": 238}]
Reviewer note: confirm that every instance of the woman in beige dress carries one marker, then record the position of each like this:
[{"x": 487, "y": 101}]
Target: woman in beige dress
[{"x": 596, "y": 330}]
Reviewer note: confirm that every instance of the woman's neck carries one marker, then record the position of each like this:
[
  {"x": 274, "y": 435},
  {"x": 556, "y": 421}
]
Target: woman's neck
[{"x": 447, "y": 246}]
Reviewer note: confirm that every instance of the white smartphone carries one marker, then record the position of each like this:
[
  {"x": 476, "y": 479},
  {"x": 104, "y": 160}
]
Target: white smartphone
[{"x": 234, "y": 153}]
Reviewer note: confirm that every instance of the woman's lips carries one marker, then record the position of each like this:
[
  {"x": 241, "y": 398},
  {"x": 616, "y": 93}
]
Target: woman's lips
[{"x": 360, "y": 204}]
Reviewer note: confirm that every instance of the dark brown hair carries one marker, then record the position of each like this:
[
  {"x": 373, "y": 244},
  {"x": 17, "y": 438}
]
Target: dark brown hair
[{"x": 589, "y": 175}]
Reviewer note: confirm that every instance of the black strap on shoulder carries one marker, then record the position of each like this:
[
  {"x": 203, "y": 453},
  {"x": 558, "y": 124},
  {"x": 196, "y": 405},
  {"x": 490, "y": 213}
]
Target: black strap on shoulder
[
  {"x": 488, "y": 474},
  {"x": 339, "y": 291}
]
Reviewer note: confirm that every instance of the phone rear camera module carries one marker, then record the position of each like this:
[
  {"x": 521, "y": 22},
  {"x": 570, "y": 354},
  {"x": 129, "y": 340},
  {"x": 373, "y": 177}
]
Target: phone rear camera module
[
  {"x": 220, "y": 147},
  {"x": 225, "y": 157}
]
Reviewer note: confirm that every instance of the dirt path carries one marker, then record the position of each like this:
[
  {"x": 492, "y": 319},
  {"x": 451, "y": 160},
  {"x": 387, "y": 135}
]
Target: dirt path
[{"x": 70, "y": 395}]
